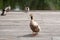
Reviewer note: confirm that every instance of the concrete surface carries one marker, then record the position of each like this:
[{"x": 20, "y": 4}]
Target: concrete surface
[{"x": 15, "y": 25}]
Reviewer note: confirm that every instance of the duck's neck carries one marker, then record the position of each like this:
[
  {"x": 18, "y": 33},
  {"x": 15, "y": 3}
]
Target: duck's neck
[{"x": 31, "y": 17}]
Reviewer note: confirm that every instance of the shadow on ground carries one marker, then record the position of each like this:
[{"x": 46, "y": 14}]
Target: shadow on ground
[{"x": 28, "y": 35}]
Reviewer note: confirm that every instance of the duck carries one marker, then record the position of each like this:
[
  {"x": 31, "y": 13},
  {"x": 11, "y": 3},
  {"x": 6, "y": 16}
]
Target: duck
[
  {"x": 8, "y": 8},
  {"x": 34, "y": 26},
  {"x": 27, "y": 9},
  {"x": 5, "y": 10}
]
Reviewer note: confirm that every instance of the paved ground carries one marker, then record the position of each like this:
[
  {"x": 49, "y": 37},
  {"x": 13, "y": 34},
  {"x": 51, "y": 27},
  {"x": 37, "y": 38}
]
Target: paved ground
[{"x": 15, "y": 25}]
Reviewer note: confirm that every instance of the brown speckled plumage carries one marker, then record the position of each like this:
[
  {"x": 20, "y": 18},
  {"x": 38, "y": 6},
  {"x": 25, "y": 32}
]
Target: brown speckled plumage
[{"x": 33, "y": 25}]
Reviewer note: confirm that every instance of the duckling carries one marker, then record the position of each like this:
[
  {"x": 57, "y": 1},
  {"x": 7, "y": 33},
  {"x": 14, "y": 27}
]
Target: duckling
[
  {"x": 34, "y": 26},
  {"x": 5, "y": 10}
]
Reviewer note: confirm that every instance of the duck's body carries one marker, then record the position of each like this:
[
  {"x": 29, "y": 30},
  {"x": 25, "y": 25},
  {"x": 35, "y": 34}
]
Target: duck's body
[
  {"x": 6, "y": 10},
  {"x": 34, "y": 26}
]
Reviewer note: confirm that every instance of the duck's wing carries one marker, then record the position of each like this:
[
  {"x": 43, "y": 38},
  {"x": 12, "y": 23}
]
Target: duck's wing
[{"x": 36, "y": 25}]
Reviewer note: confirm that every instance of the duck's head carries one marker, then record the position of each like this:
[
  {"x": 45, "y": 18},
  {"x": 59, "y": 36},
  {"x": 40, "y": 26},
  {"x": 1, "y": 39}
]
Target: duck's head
[{"x": 31, "y": 15}]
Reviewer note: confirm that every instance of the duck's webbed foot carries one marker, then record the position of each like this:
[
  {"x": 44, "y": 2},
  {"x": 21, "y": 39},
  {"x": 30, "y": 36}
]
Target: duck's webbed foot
[{"x": 34, "y": 33}]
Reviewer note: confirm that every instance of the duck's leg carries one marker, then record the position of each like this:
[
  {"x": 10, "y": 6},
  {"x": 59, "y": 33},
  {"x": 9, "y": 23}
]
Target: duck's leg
[{"x": 34, "y": 34}]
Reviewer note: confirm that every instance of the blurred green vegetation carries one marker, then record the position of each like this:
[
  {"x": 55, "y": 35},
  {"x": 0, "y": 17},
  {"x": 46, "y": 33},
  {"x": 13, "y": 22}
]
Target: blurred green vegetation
[
  {"x": 33, "y": 4},
  {"x": 1, "y": 4}
]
